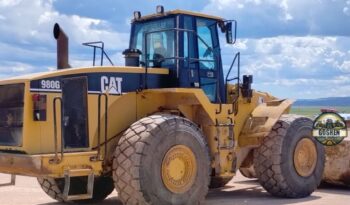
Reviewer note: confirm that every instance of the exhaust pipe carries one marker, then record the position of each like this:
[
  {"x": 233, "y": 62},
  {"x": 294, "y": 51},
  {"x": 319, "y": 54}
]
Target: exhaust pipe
[{"x": 62, "y": 47}]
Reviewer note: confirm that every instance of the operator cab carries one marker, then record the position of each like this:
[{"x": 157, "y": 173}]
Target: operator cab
[{"x": 186, "y": 43}]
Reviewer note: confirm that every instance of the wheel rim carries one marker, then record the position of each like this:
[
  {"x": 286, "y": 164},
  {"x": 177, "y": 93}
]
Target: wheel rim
[
  {"x": 179, "y": 169},
  {"x": 305, "y": 157}
]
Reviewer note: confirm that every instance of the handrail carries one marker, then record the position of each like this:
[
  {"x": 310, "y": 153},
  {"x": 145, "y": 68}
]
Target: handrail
[
  {"x": 57, "y": 160},
  {"x": 227, "y": 79},
  {"x": 99, "y": 125},
  {"x": 100, "y": 45}
]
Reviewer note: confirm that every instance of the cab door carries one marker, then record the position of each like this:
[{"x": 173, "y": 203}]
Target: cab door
[
  {"x": 201, "y": 51},
  {"x": 207, "y": 56}
]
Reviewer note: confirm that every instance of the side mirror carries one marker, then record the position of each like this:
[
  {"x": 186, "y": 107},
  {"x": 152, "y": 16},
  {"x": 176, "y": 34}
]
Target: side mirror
[
  {"x": 247, "y": 91},
  {"x": 231, "y": 32}
]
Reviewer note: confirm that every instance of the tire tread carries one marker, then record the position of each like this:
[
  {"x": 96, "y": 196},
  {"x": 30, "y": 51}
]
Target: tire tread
[
  {"x": 268, "y": 160},
  {"x": 129, "y": 153}
]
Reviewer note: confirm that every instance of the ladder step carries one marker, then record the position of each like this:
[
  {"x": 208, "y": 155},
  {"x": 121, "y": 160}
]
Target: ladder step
[
  {"x": 89, "y": 186},
  {"x": 225, "y": 125},
  {"x": 78, "y": 172},
  {"x": 225, "y": 136}
]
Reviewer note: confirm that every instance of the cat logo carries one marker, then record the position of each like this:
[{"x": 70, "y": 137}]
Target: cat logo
[{"x": 111, "y": 85}]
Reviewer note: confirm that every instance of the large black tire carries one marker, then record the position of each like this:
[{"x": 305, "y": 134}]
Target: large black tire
[
  {"x": 138, "y": 159},
  {"x": 217, "y": 182},
  {"x": 248, "y": 172},
  {"x": 103, "y": 186},
  {"x": 274, "y": 159},
  {"x": 247, "y": 166}
]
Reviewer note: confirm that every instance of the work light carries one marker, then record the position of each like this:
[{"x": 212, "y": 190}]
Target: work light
[
  {"x": 160, "y": 9},
  {"x": 137, "y": 15}
]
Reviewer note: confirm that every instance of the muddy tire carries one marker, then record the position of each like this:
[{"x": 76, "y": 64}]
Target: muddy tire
[
  {"x": 290, "y": 162},
  {"x": 103, "y": 186},
  {"x": 217, "y": 182},
  {"x": 248, "y": 172},
  {"x": 144, "y": 156}
]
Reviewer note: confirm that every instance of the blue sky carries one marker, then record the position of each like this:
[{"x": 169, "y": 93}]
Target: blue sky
[{"x": 294, "y": 48}]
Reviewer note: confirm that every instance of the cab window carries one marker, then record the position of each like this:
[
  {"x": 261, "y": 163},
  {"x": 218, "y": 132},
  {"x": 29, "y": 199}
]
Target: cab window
[
  {"x": 160, "y": 45},
  {"x": 207, "y": 47},
  {"x": 205, "y": 43}
]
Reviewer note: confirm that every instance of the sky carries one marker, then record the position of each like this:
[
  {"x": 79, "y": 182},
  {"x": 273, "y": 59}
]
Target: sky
[{"x": 294, "y": 48}]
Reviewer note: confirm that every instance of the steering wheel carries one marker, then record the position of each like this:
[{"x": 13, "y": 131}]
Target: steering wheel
[{"x": 158, "y": 59}]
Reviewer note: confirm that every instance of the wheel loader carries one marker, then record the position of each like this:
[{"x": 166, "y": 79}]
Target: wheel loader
[{"x": 162, "y": 129}]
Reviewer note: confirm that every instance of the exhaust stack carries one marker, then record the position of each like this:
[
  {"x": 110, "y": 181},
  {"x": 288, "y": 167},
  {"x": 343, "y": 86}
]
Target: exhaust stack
[{"x": 62, "y": 47}]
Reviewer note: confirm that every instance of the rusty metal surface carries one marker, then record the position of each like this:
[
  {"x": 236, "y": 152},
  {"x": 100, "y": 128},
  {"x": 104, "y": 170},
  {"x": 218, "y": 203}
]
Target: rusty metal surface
[
  {"x": 41, "y": 165},
  {"x": 337, "y": 167},
  {"x": 20, "y": 164},
  {"x": 62, "y": 47}
]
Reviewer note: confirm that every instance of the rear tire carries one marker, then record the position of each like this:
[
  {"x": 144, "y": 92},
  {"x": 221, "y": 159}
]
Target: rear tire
[
  {"x": 103, "y": 186},
  {"x": 276, "y": 162},
  {"x": 145, "y": 154}
]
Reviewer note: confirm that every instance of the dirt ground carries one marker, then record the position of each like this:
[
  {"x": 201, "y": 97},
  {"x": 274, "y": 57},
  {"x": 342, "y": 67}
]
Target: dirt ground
[{"x": 239, "y": 191}]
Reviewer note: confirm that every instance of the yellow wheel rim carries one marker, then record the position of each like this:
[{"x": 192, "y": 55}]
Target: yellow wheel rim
[
  {"x": 179, "y": 169},
  {"x": 305, "y": 157}
]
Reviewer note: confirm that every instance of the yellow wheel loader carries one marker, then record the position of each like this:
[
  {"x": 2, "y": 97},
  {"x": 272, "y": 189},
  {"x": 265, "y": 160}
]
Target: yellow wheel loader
[{"x": 160, "y": 130}]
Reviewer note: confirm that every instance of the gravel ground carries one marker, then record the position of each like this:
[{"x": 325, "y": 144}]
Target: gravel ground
[{"x": 238, "y": 192}]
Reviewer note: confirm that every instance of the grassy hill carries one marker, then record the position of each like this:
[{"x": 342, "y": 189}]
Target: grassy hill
[
  {"x": 314, "y": 110},
  {"x": 311, "y": 107},
  {"x": 329, "y": 102}
]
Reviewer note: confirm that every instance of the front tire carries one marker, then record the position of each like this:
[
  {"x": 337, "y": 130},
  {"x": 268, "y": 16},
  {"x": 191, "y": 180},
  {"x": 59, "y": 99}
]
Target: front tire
[
  {"x": 289, "y": 163},
  {"x": 162, "y": 159}
]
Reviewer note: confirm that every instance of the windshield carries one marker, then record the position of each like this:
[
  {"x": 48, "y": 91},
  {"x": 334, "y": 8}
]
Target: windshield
[{"x": 160, "y": 45}]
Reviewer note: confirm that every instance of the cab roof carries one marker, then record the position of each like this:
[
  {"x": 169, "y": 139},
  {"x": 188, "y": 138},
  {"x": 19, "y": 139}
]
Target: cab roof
[{"x": 178, "y": 11}]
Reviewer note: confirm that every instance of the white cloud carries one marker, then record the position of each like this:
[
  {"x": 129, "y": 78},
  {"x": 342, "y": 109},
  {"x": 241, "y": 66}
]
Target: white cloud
[
  {"x": 8, "y": 3},
  {"x": 8, "y": 51},
  {"x": 285, "y": 17},
  {"x": 331, "y": 82},
  {"x": 345, "y": 66},
  {"x": 260, "y": 66},
  {"x": 28, "y": 34},
  {"x": 292, "y": 52},
  {"x": 12, "y": 68},
  {"x": 292, "y": 63},
  {"x": 40, "y": 18},
  {"x": 284, "y": 7}
]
